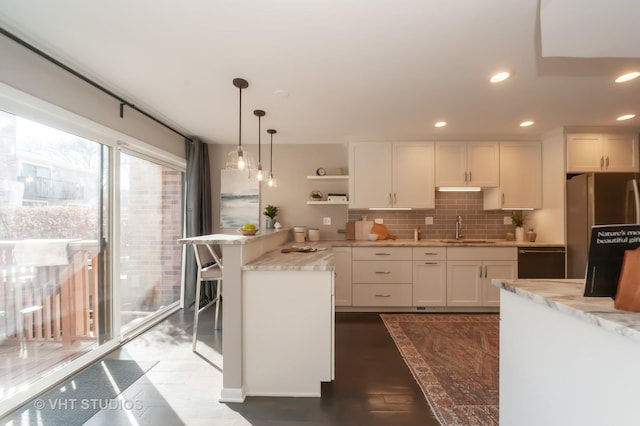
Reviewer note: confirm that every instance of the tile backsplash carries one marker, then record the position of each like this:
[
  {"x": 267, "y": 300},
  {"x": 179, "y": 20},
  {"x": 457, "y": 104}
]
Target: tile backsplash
[{"x": 476, "y": 222}]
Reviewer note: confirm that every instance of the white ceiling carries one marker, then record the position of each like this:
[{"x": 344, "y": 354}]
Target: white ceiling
[{"x": 352, "y": 69}]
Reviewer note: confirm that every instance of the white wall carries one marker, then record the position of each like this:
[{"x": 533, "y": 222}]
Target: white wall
[
  {"x": 29, "y": 73},
  {"x": 549, "y": 222},
  {"x": 291, "y": 165}
]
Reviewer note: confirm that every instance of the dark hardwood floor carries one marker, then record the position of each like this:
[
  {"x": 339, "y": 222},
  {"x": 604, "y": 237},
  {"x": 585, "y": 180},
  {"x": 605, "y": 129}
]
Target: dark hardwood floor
[{"x": 373, "y": 385}]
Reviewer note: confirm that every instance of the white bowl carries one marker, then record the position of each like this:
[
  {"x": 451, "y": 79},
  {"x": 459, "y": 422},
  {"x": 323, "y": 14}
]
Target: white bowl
[{"x": 373, "y": 237}]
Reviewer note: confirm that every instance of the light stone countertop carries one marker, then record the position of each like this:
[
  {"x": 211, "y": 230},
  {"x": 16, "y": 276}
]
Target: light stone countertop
[
  {"x": 321, "y": 260},
  {"x": 230, "y": 238},
  {"x": 567, "y": 296},
  {"x": 469, "y": 242}
]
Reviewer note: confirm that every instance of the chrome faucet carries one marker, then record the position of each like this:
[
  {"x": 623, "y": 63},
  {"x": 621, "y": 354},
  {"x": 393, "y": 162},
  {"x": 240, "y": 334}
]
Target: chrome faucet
[{"x": 459, "y": 228}]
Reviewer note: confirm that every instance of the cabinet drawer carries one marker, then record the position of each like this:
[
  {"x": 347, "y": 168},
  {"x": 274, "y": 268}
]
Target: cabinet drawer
[
  {"x": 482, "y": 253},
  {"x": 429, "y": 253},
  {"x": 385, "y": 271},
  {"x": 382, "y": 294},
  {"x": 381, "y": 253}
]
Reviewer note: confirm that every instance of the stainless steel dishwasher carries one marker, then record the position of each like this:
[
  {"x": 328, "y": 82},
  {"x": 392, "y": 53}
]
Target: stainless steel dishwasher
[{"x": 541, "y": 262}]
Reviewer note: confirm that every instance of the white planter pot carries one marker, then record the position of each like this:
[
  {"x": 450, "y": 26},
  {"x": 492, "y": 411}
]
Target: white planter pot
[{"x": 519, "y": 233}]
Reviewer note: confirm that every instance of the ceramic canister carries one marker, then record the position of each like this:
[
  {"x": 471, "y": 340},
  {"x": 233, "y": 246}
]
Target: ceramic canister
[{"x": 314, "y": 235}]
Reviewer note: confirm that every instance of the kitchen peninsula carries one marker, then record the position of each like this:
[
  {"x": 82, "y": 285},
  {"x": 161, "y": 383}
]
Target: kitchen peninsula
[
  {"x": 566, "y": 359},
  {"x": 277, "y": 316}
]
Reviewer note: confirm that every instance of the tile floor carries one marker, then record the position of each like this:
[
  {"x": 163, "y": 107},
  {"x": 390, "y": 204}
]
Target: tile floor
[{"x": 373, "y": 386}]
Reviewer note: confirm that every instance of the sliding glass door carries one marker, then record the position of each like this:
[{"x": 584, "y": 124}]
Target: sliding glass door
[
  {"x": 150, "y": 224},
  {"x": 55, "y": 291}
]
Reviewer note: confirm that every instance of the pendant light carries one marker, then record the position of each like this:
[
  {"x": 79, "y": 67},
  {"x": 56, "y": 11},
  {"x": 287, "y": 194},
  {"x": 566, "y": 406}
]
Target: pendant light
[
  {"x": 272, "y": 181},
  {"x": 238, "y": 159},
  {"x": 259, "y": 176}
]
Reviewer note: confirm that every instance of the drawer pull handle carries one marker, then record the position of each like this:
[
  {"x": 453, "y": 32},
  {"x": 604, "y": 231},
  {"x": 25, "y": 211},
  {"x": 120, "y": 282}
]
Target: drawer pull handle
[
  {"x": 383, "y": 272},
  {"x": 383, "y": 295},
  {"x": 430, "y": 254},
  {"x": 383, "y": 254},
  {"x": 430, "y": 263}
]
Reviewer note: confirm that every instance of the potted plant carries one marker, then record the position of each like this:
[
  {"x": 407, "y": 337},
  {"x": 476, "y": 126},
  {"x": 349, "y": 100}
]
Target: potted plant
[
  {"x": 518, "y": 218},
  {"x": 270, "y": 212}
]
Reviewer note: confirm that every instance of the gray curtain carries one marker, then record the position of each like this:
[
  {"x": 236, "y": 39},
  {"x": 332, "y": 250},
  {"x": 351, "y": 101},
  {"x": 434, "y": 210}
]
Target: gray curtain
[{"x": 199, "y": 217}]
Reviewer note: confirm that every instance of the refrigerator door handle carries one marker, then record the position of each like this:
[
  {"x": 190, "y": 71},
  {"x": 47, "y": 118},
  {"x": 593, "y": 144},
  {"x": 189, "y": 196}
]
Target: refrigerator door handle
[{"x": 632, "y": 186}]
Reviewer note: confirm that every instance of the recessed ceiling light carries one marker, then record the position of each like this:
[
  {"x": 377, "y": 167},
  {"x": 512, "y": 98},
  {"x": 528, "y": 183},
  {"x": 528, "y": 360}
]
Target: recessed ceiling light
[
  {"x": 440, "y": 124},
  {"x": 625, "y": 117},
  {"x": 526, "y": 123},
  {"x": 283, "y": 94},
  {"x": 498, "y": 77},
  {"x": 628, "y": 76}
]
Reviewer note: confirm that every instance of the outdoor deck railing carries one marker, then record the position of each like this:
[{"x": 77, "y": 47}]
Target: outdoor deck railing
[{"x": 49, "y": 303}]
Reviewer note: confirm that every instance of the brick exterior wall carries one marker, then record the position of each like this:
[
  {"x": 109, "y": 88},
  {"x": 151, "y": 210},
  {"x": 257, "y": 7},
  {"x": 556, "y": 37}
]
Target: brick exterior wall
[{"x": 153, "y": 224}]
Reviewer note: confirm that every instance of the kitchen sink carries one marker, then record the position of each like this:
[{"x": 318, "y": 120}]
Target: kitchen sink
[{"x": 464, "y": 241}]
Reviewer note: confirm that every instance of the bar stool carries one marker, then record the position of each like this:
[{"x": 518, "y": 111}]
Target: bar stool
[{"x": 209, "y": 270}]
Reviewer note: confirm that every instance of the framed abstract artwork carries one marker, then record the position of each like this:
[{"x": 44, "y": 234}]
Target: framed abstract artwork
[{"x": 239, "y": 199}]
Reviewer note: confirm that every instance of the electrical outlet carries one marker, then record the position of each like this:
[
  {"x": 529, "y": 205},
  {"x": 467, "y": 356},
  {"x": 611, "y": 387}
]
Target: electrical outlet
[
  {"x": 379, "y": 220},
  {"x": 428, "y": 220},
  {"x": 507, "y": 220},
  {"x": 326, "y": 221}
]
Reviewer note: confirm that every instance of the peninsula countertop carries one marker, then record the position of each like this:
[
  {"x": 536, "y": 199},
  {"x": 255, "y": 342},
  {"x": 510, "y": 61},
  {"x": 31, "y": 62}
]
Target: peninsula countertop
[
  {"x": 567, "y": 296},
  {"x": 236, "y": 238},
  {"x": 319, "y": 260}
]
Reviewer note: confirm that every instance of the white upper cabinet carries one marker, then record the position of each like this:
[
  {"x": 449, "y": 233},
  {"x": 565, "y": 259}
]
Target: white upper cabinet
[
  {"x": 370, "y": 175},
  {"x": 520, "y": 178},
  {"x": 391, "y": 175},
  {"x": 413, "y": 175},
  {"x": 602, "y": 153},
  {"x": 467, "y": 164}
]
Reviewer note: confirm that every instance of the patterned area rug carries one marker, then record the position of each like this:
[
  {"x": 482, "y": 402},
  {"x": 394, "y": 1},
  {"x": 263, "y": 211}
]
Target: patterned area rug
[{"x": 454, "y": 359}]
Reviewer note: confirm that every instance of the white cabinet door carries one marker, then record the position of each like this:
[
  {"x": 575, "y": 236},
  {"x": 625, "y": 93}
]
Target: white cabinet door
[
  {"x": 464, "y": 283},
  {"x": 520, "y": 178},
  {"x": 429, "y": 283},
  {"x": 391, "y": 175},
  {"x": 483, "y": 164},
  {"x": 602, "y": 153},
  {"x": 496, "y": 269},
  {"x": 370, "y": 175},
  {"x": 584, "y": 153},
  {"x": 620, "y": 153},
  {"x": 413, "y": 175},
  {"x": 467, "y": 164},
  {"x": 451, "y": 164},
  {"x": 342, "y": 260}
]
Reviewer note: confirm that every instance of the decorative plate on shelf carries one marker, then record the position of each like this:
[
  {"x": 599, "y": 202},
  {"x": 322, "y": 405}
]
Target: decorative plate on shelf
[{"x": 248, "y": 232}]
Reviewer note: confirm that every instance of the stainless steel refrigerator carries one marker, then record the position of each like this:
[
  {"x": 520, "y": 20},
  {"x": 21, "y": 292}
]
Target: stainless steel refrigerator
[{"x": 597, "y": 199}]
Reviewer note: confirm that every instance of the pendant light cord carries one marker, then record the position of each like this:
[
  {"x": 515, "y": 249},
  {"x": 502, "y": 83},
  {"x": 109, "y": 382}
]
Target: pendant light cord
[{"x": 240, "y": 122}]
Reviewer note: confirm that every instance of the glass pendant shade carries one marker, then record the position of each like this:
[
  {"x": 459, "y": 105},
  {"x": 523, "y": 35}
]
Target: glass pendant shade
[
  {"x": 271, "y": 181},
  {"x": 239, "y": 159},
  {"x": 259, "y": 175}
]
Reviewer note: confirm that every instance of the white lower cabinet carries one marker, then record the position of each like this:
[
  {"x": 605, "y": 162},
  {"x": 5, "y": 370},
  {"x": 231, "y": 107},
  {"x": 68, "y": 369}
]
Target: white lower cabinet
[
  {"x": 470, "y": 271},
  {"x": 342, "y": 261},
  {"x": 381, "y": 276},
  {"x": 507, "y": 269},
  {"x": 429, "y": 276}
]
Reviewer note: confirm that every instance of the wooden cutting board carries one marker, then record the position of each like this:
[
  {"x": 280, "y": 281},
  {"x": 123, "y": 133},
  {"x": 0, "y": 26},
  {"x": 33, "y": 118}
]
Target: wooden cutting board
[
  {"x": 628, "y": 292},
  {"x": 363, "y": 229},
  {"x": 351, "y": 230}
]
